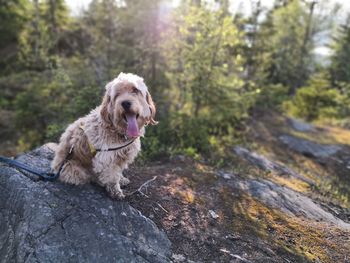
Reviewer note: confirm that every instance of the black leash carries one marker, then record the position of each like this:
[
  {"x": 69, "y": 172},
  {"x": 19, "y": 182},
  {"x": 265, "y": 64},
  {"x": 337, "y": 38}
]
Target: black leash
[
  {"x": 43, "y": 175},
  {"x": 53, "y": 176}
]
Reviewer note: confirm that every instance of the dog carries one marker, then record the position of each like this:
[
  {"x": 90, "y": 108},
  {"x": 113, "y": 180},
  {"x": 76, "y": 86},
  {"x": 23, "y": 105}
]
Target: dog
[{"x": 127, "y": 107}]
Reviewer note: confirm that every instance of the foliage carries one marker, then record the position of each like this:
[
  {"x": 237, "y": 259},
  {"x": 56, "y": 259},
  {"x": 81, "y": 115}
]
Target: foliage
[
  {"x": 40, "y": 38},
  {"x": 272, "y": 96},
  {"x": 206, "y": 67},
  {"x": 202, "y": 84},
  {"x": 12, "y": 20},
  {"x": 340, "y": 67},
  {"x": 208, "y": 95},
  {"x": 291, "y": 51},
  {"x": 317, "y": 100}
]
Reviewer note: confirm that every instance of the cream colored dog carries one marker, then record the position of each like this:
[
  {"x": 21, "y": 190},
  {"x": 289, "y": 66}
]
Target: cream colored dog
[{"x": 126, "y": 108}]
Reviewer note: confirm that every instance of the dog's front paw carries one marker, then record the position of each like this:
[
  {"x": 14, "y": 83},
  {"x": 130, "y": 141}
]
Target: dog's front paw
[
  {"x": 115, "y": 192},
  {"x": 124, "y": 181}
]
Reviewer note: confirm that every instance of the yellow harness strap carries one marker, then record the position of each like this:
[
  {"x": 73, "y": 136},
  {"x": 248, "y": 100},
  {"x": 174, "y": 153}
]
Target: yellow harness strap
[{"x": 91, "y": 146}]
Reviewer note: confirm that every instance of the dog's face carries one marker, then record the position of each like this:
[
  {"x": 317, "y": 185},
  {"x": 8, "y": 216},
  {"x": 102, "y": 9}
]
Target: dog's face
[{"x": 127, "y": 105}]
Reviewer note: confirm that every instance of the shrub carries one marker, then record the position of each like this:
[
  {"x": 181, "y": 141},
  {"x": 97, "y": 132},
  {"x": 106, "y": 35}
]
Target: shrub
[
  {"x": 316, "y": 101},
  {"x": 272, "y": 96}
]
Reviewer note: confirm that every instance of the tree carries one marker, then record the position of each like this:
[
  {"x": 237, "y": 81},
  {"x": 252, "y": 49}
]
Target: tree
[
  {"x": 13, "y": 17},
  {"x": 55, "y": 15},
  {"x": 124, "y": 37},
  {"x": 340, "y": 66},
  {"x": 255, "y": 49},
  {"x": 291, "y": 46},
  {"x": 294, "y": 26},
  {"x": 39, "y": 39},
  {"x": 205, "y": 66},
  {"x": 102, "y": 23},
  {"x": 317, "y": 100}
]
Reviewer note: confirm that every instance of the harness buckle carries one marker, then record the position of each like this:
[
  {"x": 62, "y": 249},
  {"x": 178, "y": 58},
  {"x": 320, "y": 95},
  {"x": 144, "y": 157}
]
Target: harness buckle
[{"x": 71, "y": 149}]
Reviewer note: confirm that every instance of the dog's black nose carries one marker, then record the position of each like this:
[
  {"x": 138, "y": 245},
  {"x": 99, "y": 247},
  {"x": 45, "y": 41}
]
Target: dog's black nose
[{"x": 126, "y": 104}]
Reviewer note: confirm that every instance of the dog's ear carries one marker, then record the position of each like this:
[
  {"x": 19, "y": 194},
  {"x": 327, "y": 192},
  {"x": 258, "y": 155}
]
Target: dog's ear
[
  {"x": 104, "y": 109},
  {"x": 152, "y": 108}
]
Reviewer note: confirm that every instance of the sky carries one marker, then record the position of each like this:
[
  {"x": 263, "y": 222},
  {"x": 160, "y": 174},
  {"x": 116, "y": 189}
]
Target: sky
[{"x": 77, "y": 5}]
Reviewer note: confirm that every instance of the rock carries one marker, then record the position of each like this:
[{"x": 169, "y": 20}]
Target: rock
[
  {"x": 178, "y": 258},
  {"x": 52, "y": 222},
  {"x": 267, "y": 165},
  {"x": 213, "y": 214},
  {"x": 309, "y": 148},
  {"x": 301, "y": 126},
  {"x": 279, "y": 197},
  {"x": 225, "y": 174},
  {"x": 240, "y": 259},
  {"x": 289, "y": 201}
]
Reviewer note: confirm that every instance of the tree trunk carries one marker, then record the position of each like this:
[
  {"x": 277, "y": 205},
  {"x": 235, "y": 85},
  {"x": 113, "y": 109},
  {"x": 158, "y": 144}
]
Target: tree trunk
[
  {"x": 36, "y": 32},
  {"x": 301, "y": 68}
]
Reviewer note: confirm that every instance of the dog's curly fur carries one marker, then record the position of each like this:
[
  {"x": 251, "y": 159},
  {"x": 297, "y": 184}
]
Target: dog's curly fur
[{"x": 106, "y": 127}]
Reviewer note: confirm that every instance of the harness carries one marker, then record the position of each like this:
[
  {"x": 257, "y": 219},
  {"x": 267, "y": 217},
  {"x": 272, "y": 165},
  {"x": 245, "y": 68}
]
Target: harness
[
  {"x": 53, "y": 176},
  {"x": 94, "y": 150}
]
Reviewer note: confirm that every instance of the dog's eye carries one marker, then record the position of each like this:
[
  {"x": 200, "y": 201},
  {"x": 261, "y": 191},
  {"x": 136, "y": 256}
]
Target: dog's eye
[{"x": 135, "y": 90}]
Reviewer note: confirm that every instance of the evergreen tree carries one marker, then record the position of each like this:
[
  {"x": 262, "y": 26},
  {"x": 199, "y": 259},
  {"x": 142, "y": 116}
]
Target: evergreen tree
[
  {"x": 124, "y": 37},
  {"x": 340, "y": 66},
  {"x": 39, "y": 40},
  {"x": 293, "y": 26},
  {"x": 291, "y": 45},
  {"x": 255, "y": 47},
  {"x": 205, "y": 65},
  {"x": 13, "y": 16}
]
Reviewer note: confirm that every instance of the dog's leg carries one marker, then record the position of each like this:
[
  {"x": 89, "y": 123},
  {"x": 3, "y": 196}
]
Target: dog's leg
[
  {"x": 72, "y": 173},
  {"x": 109, "y": 177},
  {"x": 123, "y": 180},
  {"x": 114, "y": 190}
]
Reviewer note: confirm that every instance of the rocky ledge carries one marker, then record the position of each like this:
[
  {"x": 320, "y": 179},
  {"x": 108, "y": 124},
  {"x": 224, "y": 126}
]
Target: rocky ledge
[{"x": 52, "y": 222}]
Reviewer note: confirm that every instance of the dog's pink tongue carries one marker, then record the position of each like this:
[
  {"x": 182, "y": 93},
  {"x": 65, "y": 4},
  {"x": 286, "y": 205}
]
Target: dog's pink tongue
[{"x": 133, "y": 128}]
